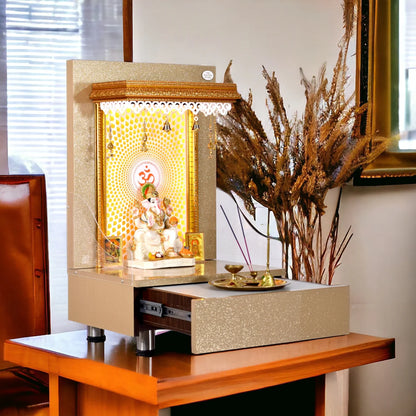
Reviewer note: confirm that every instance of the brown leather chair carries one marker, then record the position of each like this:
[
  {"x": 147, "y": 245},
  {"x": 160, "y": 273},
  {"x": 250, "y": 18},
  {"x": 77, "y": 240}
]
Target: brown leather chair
[{"x": 24, "y": 288}]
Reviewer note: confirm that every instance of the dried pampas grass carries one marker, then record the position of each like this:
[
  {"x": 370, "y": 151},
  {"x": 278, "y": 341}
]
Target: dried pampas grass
[{"x": 292, "y": 172}]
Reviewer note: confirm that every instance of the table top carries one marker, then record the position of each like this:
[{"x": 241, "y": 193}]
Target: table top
[{"x": 174, "y": 376}]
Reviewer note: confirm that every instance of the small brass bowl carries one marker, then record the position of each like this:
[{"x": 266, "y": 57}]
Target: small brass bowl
[{"x": 233, "y": 268}]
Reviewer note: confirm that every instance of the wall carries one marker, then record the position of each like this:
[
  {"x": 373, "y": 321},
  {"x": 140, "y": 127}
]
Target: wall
[{"x": 379, "y": 263}]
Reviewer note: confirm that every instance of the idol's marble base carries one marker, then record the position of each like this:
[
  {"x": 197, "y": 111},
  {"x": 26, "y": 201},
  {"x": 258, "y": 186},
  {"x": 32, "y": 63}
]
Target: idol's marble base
[{"x": 161, "y": 264}]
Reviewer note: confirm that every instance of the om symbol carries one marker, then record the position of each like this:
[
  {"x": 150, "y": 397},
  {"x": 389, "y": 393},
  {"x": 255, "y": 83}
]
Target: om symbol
[
  {"x": 146, "y": 171},
  {"x": 145, "y": 176}
]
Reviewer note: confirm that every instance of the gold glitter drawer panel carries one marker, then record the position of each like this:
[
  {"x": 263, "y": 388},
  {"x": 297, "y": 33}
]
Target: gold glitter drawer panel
[{"x": 222, "y": 320}]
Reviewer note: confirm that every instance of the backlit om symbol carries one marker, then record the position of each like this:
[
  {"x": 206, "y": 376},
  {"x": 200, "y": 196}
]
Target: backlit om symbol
[{"x": 145, "y": 176}]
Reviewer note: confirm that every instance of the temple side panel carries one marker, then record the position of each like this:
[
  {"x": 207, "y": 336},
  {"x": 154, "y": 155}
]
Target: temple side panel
[
  {"x": 82, "y": 187},
  {"x": 101, "y": 303}
]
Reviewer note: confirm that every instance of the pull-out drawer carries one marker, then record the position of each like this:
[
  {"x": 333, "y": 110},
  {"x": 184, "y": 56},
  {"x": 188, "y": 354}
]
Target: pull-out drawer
[{"x": 219, "y": 320}]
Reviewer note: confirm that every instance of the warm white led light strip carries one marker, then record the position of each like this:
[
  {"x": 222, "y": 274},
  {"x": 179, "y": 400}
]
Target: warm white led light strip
[{"x": 207, "y": 108}]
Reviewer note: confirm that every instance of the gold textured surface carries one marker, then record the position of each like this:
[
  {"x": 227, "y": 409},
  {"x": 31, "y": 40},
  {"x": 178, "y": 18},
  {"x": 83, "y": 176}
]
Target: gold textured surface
[
  {"x": 192, "y": 213},
  {"x": 207, "y": 183},
  {"x": 81, "y": 185},
  {"x": 299, "y": 311},
  {"x": 164, "y": 91},
  {"x": 202, "y": 272}
]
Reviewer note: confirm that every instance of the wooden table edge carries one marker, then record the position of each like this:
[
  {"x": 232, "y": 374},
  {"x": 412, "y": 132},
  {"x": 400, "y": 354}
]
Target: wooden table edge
[
  {"x": 187, "y": 389},
  {"x": 118, "y": 380},
  {"x": 173, "y": 392}
]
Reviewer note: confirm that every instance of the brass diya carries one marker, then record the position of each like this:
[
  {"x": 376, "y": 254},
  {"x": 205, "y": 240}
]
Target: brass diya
[
  {"x": 253, "y": 274},
  {"x": 233, "y": 269}
]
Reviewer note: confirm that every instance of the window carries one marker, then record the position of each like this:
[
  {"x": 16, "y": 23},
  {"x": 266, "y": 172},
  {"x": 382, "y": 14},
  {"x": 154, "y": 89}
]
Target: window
[{"x": 41, "y": 36}]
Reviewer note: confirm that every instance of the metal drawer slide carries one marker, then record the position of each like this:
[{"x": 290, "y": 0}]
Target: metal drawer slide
[{"x": 158, "y": 309}]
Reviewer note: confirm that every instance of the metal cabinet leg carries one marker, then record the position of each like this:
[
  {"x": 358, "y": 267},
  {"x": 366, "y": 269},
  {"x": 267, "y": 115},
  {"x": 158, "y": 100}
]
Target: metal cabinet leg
[
  {"x": 95, "y": 334},
  {"x": 145, "y": 342}
]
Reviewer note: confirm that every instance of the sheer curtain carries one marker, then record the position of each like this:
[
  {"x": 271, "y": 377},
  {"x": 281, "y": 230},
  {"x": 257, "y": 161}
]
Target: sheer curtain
[
  {"x": 3, "y": 95},
  {"x": 41, "y": 35}
]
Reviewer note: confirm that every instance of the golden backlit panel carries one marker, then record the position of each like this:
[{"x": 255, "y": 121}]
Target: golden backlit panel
[{"x": 128, "y": 166}]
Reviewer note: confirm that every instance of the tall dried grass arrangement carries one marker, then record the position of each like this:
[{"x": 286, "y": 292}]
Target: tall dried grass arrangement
[{"x": 292, "y": 172}]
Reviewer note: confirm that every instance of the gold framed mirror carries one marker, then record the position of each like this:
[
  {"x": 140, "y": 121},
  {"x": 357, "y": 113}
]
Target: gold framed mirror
[{"x": 385, "y": 74}]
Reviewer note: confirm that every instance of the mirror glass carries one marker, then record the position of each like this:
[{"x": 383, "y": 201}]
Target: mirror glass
[{"x": 407, "y": 74}]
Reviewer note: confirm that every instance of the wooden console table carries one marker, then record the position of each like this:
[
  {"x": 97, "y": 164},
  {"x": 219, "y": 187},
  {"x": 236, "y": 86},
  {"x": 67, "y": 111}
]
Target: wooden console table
[{"x": 109, "y": 379}]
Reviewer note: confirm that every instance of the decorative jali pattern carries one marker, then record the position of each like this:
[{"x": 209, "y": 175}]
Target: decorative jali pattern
[{"x": 207, "y": 108}]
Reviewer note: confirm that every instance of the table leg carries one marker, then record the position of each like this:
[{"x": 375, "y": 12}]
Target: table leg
[
  {"x": 320, "y": 395},
  {"x": 93, "y": 401},
  {"x": 331, "y": 394},
  {"x": 69, "y": 398},
  {"x": 62, "y": 396},
  {"x": 336, "y": 393}
]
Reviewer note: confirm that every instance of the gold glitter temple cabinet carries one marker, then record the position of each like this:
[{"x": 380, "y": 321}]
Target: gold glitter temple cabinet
[
  {"x": 131, "y": 123},
  {"x": 136, "y": 123}
]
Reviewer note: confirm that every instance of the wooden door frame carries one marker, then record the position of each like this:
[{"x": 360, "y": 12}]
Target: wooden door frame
[{"x": 128, "y": 30}]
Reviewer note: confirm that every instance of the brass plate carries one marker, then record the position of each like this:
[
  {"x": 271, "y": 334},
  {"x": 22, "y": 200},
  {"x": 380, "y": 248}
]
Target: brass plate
[{"x": 224, "y": 283}]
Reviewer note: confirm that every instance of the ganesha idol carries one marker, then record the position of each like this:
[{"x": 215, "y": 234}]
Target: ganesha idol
[{"x": 156, "y": 236}]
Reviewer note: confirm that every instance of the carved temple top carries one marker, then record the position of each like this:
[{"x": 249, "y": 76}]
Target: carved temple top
[{"x": 164, "y": 91}]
